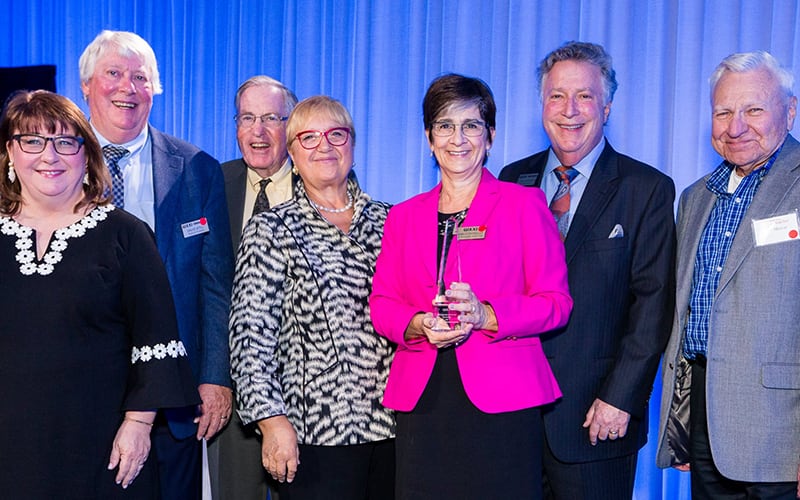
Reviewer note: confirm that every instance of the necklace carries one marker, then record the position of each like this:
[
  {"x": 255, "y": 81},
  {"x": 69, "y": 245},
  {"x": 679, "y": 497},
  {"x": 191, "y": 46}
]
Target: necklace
[
  {"x": 26, "y": 250},
  {"x": 334, "y": 210}
]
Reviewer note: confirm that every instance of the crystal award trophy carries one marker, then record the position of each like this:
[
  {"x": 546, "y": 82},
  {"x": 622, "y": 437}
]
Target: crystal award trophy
[{"x": 445, "y": 319}]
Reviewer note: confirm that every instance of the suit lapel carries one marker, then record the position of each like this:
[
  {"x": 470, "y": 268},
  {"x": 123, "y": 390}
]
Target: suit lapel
[
  {"x": 239, "y": 188},
  {"x": 427, "y": 226},
  {"x": 167, "y": 174},
  {"x": 775, "y": 187},
  {"x": 692, "y": 223},
  {"x": 479, "y": 213},
  {"x": 599, "y": 191}
]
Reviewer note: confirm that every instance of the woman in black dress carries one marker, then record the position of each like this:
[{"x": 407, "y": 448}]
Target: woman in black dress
[{"x": 89, "y": 340}]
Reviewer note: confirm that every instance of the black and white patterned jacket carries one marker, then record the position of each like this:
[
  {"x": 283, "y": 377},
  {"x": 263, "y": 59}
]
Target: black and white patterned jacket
[{"x": 302, "y": 343}]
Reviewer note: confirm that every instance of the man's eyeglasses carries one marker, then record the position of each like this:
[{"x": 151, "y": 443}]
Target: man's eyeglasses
[
  {"x": 470, "y": 128},
  {"x": 271, "y": 120},
  {"x": 35, "y": 143},
  {"x": 310, "y": 139}
]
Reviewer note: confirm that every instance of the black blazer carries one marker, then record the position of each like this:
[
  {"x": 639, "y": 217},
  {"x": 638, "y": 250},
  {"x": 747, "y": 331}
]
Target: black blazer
[
  {"x": 235, "y": 173},
  {"x": 623, "y": 290}
]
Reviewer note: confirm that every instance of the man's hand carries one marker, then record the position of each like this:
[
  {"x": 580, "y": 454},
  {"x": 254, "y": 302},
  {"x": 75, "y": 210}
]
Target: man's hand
[
  {"x": 280, "y": 455},
  {"x": 605, "y": 422},
  {"x": 215, "y": 411}
]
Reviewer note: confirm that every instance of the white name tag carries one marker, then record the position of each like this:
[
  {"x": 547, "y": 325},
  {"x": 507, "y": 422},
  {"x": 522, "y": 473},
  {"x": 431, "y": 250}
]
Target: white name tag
[
  {"x": 195, "y": 227},
  {"x": 472, "y": 232},
  {"x": 776, "y": 229}
]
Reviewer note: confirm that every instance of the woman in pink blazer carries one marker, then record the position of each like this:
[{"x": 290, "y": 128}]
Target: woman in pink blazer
[{"x": 467, "y": 396}]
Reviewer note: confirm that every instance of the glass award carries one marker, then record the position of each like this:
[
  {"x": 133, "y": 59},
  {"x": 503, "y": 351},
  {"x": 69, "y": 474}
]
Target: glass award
[{"x": 445, "y": 318}]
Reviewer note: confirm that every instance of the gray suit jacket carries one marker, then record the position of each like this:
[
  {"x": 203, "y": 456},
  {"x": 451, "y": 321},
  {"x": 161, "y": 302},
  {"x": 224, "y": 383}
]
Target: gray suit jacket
[{"x": 753, "y": 372}]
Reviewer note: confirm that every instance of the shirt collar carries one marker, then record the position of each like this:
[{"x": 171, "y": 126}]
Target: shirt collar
[
  {"x": 286, "y": 169},
  {"x": 719, "y": 179},
  {"x": 133, "y": 146},
  {"x": 584, "y": 167}
]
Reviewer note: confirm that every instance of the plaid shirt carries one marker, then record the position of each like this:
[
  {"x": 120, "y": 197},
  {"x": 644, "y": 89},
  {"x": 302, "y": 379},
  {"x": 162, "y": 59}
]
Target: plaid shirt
[{"x": 715, "y": 244}]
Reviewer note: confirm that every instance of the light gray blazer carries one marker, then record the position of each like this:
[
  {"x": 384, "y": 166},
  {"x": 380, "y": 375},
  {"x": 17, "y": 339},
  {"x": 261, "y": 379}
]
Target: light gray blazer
[{"x": 753, "y": 373}]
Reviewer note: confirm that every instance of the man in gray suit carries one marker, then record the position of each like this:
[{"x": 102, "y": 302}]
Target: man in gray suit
[
  {"x": 259, "y": 180},
  {"x": 730, "y": 408}
]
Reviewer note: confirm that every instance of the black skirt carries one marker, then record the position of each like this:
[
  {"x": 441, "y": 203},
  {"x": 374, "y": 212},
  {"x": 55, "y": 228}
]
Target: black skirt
[{"x": 447, "y": 448}]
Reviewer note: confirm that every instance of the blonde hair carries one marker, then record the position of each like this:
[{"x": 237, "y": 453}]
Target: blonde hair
[{"x": 318, "y": 105}]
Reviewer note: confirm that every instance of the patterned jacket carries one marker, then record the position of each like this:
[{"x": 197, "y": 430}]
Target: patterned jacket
[{"x": 302, "y": 343}]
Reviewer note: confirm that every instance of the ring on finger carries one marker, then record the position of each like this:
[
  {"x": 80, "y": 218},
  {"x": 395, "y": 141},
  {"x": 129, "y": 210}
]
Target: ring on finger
[{"x": 613, "y": 433}]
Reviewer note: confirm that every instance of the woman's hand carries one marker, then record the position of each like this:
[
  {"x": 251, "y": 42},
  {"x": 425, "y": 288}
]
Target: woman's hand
[
  {"x": 280, "y": 455},
  {"x": 131, "y": 446},
  {"x": 438, "y": 332},
  {"x": 473, "y": 314}
]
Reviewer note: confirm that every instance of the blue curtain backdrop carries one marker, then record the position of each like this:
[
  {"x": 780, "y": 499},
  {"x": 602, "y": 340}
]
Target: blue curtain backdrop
[{"x": 379, "y": 56}]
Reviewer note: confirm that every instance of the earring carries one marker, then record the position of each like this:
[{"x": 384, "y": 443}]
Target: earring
[
  {"x": 431, "y": 153},
  {"x": 86, "y": 178},
  {"x": 12, "y": 176},
  {"x": 294, "y": 171}
]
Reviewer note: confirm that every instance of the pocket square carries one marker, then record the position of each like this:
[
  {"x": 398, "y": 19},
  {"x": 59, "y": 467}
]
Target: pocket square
[{"x": 617, "y": 232}]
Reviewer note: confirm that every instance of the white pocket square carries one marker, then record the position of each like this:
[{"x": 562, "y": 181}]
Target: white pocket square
[{"x": 617, "y": 232}]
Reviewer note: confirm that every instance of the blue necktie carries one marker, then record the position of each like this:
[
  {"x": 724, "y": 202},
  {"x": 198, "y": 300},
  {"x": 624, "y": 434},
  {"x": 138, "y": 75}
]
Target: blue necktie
[{"x": 113, "y": 155}]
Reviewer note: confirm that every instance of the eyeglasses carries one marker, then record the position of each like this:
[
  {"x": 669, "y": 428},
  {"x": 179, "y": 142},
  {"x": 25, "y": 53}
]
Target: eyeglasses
[
  {"x": 35, "y": 143},
  {"x": 271, "y": 120},
  {"x": 310, "y": 139},
  {"x": 470, "y": 128}
]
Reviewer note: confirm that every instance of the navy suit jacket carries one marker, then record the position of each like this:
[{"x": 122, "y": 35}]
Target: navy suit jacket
[
  {"x": 189, "y": 187},
  {"x": 623, "y": 290}
]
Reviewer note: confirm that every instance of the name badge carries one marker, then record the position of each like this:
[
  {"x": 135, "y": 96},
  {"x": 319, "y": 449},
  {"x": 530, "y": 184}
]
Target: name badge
[
  {"x": 776, "y": 229},
  {"x": 528, "y": 179},
  {"x": 195, "y": 227},
  {"x": 472, "y": 232}
]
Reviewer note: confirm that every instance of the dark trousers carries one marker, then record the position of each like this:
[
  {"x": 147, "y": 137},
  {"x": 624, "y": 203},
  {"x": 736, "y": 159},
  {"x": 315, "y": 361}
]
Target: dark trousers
[
  {"x": 355, "y": 472},
  {"x": 707, "y": 482},
  {"x": 180, "y": 463},
  {"x": 599, "y": 480},
  {"x": 234, "y": 464}
]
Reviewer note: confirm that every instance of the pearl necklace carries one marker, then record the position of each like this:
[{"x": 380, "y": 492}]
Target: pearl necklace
[
  {"x": 26, "y": 253},
  {"x": 334, "y": 210}
]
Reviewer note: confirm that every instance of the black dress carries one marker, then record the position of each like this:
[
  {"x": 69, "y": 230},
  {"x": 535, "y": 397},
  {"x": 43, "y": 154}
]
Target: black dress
[
  {"x": 86, "y": 333},
  {"x": 447, "y": 448}
]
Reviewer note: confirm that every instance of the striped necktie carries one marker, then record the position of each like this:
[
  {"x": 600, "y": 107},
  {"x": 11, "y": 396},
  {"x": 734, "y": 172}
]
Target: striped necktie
[{"x": 560, "y": 203}]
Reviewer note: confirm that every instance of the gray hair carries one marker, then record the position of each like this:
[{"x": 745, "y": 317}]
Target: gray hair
[
  {"x": 591, "y": 53},
  {"x": 123, "y": 43},
  {"x": 744, "y": 62},
  {"x": 289, "y": 98}
]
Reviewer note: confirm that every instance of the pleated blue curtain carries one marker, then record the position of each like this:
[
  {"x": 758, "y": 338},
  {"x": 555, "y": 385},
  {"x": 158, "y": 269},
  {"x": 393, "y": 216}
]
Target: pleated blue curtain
[{"x": 378, "y": 57}]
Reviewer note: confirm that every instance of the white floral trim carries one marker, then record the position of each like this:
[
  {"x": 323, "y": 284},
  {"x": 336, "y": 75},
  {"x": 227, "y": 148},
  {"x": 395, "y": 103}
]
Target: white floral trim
[
  {"x": 26, "y": 254},
  {"x": 174, "y": 349}
]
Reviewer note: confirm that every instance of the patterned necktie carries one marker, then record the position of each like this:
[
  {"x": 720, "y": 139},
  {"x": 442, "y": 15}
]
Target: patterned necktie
[
  {"x": 262, "y": 202},
  {"x": 560, "y": 203},
  {"x": 113, "y": 155}
]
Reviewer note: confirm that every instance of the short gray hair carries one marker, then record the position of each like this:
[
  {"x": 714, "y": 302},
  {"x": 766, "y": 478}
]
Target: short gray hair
[
  {"x": 591, "y": 53},
  {"x": 290, "y": 99},
  {"x": 123, "y": 43},
  {"x": 744, "y": 62}
]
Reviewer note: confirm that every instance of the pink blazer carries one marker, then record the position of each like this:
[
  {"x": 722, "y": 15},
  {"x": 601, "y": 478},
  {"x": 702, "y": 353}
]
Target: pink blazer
[{"x": 518, "y": 267}]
